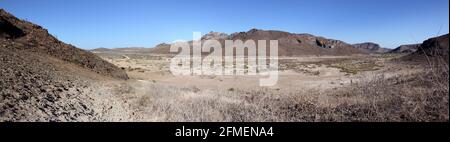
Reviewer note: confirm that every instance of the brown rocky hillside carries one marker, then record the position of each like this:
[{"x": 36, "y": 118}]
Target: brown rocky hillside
[
  {"x": 431, "y": 50},
  {"x": 290, "y": 44},
  {"x": 23, "y": 35},
  {"x": 44, "y": 79}
]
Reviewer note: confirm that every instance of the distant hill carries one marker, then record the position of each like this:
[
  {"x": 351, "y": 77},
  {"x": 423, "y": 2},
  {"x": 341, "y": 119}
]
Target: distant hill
[
  {"x": 102, "y": 49},
  {"x": 409, "y": 48},
  {"x": 290, "y": 44},
  {"x": 121, "y": 50},
  {"x": 162, "y": 48},
  {"x": 433, "y": 49},
  {"x": 370, "y": 48}
]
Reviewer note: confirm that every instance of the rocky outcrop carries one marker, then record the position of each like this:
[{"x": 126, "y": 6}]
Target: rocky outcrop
[
  {"x": 162, "y": 48},
  {"x": 409, "y": 48},
  {"x": 435, "y": 47},
  {"x": 290, "y": 44},
  {"x": 8, "y": 30},
  {"x": 370, "y": 48},
  {"x": 433, "y": 50},
  {"x": 215, "y": 36}
]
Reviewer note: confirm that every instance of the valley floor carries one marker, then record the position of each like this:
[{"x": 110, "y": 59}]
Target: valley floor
[{"x": 329, "y": 88}]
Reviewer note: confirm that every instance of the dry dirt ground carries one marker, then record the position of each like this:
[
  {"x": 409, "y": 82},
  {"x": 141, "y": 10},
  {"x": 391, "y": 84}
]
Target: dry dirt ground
[{"x": 326, "y": 88}]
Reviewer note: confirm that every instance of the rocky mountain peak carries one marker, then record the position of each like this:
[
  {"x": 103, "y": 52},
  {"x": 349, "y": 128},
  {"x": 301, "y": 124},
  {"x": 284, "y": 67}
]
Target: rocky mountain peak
[{"x": 215, "y": 35}]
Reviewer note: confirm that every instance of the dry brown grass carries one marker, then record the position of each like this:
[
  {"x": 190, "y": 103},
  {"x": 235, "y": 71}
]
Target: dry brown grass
[
  {"x": 413, "y": 97},
  {"x": 388, "y": 94},
  {"x": 400, "y": 98}
]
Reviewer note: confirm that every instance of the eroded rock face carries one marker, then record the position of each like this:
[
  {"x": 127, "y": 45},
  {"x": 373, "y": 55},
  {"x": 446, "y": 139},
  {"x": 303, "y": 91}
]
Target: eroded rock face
[
  {"x": 370, "y": 47},
  {"x": 327, "y": 43},
  {"x": 215, "y": 36},
  {"x": 291, "y": 44},
  {"x": 8, "y": 30}
]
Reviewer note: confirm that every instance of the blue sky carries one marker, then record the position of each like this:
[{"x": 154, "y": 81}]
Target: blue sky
[{"x": 144, "y": 23}]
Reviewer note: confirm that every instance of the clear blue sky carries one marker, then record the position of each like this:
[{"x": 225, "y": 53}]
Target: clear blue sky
[{"x": 123, "y": 23}]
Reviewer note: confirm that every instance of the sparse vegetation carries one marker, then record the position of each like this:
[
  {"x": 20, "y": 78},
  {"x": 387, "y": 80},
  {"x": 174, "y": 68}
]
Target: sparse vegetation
[
  {"x": 354, "y": 67},
  {"x": 377, "y": 98},
  {"x": 387, "y": 91}
]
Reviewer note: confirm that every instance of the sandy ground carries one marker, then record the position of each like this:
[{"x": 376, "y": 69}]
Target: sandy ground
[
  {"x": 155, "y": 68},
  {"x": 308, "y": 89}
]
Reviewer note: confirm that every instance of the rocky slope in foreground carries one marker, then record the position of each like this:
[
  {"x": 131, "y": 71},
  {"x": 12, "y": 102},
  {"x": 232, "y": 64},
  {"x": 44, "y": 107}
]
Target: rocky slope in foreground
[
  {"x": 44, "y": 79},
  {"x": 22, "y": 35}
]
